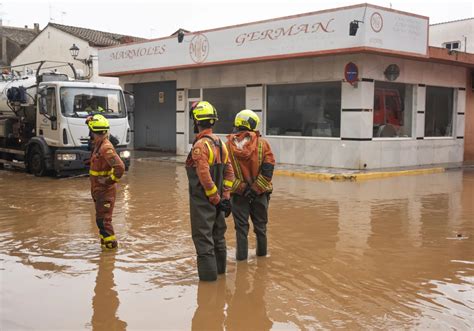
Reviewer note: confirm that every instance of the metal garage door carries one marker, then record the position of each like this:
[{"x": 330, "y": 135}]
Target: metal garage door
[{"x": 155, "y": 116}]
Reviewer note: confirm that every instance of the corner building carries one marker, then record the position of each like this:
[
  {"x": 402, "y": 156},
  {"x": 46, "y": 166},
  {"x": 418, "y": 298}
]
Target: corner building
[{"x": 331, "y": 91}]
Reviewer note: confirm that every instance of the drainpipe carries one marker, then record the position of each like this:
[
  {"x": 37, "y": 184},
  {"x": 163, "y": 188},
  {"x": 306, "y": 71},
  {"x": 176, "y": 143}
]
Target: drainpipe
[
  {"x": 4, "y": 45},
  {"x": 4, "y": 50}
]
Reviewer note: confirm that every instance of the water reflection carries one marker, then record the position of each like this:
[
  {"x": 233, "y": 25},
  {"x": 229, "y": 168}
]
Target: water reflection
[
  {"x": 354, "y": 226},
  {"x": 234, "y": 302},
  {"x": 105, "y": 301},
  {"x": 379, "y": 254},
  {"x": 414, "y": 221},
  {"x": 211, "y": 303},
  {"x": 250, "y": 287}
]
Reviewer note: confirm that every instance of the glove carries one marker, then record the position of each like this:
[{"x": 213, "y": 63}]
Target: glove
[
  {"x": 250, "y": 194},
  {"x": 224, "y": 206}
]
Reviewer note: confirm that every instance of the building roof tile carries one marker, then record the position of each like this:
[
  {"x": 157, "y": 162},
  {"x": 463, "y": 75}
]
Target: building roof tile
[
  {"x": 96, "y": 38},
  {"x": 21, "y": 36}
]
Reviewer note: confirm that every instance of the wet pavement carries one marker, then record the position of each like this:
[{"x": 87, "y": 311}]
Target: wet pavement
[{"x": 382, "y": 254}]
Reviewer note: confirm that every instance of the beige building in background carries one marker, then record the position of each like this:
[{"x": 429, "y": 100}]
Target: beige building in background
[
  {"x": 454, "y": 35},
  {"x": 14, "y": 40},
  {"x": 55, "y": 40}
]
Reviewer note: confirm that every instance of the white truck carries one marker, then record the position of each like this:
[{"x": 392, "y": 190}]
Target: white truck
[{"x": 42, "y": 118}]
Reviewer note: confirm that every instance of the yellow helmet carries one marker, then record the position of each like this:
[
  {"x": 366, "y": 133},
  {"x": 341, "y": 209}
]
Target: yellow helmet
[
  {"x": 97, "y": 123},
  {"x": 246, "y": 119},
  {"x": 202, "y": 111}
]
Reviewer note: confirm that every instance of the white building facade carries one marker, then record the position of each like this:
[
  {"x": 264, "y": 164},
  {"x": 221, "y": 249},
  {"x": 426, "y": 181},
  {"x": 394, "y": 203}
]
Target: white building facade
[
  {"x": 371, "y": 100},
  {"x": 456, "y": 35}
]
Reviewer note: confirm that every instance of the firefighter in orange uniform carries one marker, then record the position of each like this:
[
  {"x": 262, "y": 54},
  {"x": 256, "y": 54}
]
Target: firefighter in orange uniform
[
  {"x": 106, "y": 168},
  {"x": 210, "y": 178},
  {"x": 253, "y": 163}
]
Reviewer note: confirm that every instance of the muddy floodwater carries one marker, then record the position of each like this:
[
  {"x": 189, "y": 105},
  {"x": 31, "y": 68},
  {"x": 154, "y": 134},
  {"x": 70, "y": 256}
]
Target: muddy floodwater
[{"x": 394, "y": 253}]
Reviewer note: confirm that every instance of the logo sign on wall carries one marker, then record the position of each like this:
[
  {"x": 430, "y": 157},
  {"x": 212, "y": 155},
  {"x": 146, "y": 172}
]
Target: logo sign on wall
[
  {"x": 288, "y": 37},
  {"x": 351, "y": 73},
  {"x": 392, "y": 72},
  {"x": 199, "y": 48},
  {"x": 376, "y": 22}
]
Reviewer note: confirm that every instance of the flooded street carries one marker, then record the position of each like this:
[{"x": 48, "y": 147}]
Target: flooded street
[{"x": 381, "y": 254}]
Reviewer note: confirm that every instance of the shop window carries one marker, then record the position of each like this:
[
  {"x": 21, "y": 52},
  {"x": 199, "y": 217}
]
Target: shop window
[
  {"x": 228, "y": 102},
  {"x": 310, "y": 109},
  {"x": 439, "y": 112},
  {"x": 393, "y": 105}
]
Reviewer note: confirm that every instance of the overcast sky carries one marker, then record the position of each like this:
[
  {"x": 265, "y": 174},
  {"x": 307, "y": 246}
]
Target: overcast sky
[{"x": 159, "y": 18}]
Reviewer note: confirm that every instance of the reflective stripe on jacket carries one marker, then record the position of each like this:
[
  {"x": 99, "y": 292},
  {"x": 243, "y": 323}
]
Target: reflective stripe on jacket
[
  {"x": 209, "y": 152},
  {"x": 252, "y": 160},
  {"x": 105, "y": 162}
]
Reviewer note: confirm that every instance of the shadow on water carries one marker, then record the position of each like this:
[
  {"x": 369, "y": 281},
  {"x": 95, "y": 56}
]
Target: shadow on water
[{"x": 392, "y": 253}]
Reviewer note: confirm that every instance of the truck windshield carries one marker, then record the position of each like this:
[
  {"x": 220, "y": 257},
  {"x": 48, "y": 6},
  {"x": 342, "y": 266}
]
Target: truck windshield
[{"x": 82, "y": 102}]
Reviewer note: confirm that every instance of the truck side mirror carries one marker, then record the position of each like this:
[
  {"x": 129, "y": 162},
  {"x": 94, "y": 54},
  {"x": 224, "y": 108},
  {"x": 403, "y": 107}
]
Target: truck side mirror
[{"x": 130, "y": 99}]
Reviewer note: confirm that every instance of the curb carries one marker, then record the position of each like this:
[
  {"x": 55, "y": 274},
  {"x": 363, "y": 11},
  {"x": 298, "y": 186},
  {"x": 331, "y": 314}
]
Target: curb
[{"x": 358, "y": 176}]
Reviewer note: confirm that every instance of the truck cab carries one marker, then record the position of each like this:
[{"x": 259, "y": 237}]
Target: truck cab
[
  {"x": 61, "y": 132},
  {"x": 388, "y": 112},
  {"x": 43, "y": 115}
]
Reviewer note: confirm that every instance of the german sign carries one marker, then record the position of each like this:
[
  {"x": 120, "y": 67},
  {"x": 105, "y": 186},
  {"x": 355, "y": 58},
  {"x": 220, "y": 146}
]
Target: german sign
[{"x": 293, "y": 36}]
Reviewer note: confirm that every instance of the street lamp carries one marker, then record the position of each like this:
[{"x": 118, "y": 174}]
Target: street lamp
[
  {"x": 354, "y": 24},
  {"x": 180, "y": 35},
  {"x": 74, "y": 50},
  {"x": 353, "y": 27}
]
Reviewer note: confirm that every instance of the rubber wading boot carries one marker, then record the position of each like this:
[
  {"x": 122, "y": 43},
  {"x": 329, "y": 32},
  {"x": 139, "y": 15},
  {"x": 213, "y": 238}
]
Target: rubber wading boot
[
  {"x": 221, "y": 260},
  {"x": 207, "y": 268},
  {"x": 108, "y": 243},
  {"x": 261, "y": 246},
  {"x": 241, "y": 252}
]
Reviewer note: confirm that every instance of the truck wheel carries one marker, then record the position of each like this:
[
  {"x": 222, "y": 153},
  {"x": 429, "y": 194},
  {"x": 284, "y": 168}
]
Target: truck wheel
[{"x": 37, "y": 166}]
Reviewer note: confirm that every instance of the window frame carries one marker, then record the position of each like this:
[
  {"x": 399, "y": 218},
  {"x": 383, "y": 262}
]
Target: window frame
[
  {"x": 451, "y": 44},
  {"x": 413, "y": 114},
  {"x": 223, "y": 87},
  {"x": 201, "y": 98},
  {"x": 265, "y": 112},
  {"x": 453, "y": 115},
  {"x": 54, "y": 110}
]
